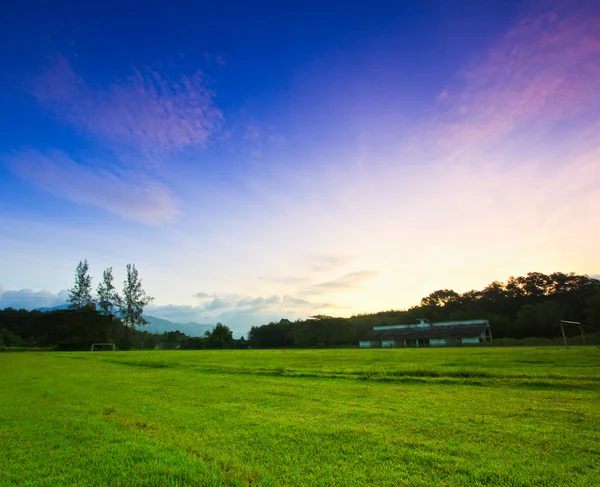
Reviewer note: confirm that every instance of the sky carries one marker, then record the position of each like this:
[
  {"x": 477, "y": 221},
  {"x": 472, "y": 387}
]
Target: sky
[{"x": 259, "y": 161}]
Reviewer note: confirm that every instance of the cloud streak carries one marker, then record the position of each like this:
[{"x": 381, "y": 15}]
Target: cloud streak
[
  {"x": 342, "y": 284},
  {"x": 545, "y": 69},
  {"x": 322, "y": 263},
  {"x": 215, "y": 301},
  {"x": 142, "y": 119},
  {"x": 138, "y": 198},
  {"x": 148, "y": 113}
]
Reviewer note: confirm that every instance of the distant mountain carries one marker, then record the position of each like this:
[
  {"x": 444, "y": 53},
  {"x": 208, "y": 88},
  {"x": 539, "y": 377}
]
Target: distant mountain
[
  {"x": 158, "y": 325},
  {"x": 54, "y": 308}
]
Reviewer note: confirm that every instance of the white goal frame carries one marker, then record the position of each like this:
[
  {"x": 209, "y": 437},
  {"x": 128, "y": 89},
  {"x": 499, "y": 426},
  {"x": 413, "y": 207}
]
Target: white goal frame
[
  {"x": 114, "y": 347},
  {"x": 576, "y": 324}
]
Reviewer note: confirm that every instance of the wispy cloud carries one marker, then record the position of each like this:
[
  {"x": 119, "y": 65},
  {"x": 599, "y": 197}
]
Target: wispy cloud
[
  {"x": 321, "y": 263},
  {"x": 217, "y": 58},
  {"x": 142, "y": 119},
  {"x": 257, "y": 139},
  {"x": 147, "y": 112},
  {"x": 545, "y": 69},
  {"x": 216, "y": 303},
  {"x": 345, "y": 283},
  {"x": 287, "y": 280},
  {"x": 135, "y": 197},
  {"x": 252, "y": 132},
  {"x": 331, "y": 306},
  {"x": 240, "y": 312},
  {"x": 203, "y": 296}
]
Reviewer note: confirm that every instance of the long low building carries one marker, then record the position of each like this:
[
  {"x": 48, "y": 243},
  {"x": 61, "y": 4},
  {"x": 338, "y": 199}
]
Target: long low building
[{"x": 425, "y": 334}]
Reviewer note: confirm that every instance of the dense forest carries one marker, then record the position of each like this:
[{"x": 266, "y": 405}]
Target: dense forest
[{"x": 523, "y": 307}]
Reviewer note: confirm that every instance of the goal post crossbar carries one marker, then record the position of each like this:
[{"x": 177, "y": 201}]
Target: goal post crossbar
[
  {"x": 576, "y": 324},
  {"x": 112, "y": 345}
]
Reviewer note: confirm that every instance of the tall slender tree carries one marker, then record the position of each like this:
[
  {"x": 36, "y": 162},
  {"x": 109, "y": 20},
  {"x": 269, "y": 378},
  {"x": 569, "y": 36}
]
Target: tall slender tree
[
  {"x": 134, "y": 299},
  {"x": 80, "y": 295},
  {"x": 108, "y": 298}
]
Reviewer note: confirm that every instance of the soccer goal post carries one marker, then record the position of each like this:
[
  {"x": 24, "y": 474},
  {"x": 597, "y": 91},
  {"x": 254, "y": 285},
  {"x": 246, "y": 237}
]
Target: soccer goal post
[
  {"x": 103, "y": 347},
  {"x": 578, "y": 325}
]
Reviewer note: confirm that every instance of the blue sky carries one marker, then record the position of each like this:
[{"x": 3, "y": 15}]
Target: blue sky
[{"x": 268, "y": 160}]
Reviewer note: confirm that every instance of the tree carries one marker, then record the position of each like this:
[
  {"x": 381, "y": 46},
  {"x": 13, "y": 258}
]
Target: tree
[
  {"x": 542, "y": 319},
  {"x": 134, "y": 299},
  {"x": 219, "y": 337},
  {"x": 80, "y": 294},
  {"x": 9, "y": 339},
  {"x": 272, "y": 335},
  {"x": 323, "y": 331},
  {"x": 440, "y": 298},
  {"x": 242, "y": 343},
  {"x": 593, "y": 311},
  {"x": 108, "y": 298},
  {"x": 535, "y": 284}
]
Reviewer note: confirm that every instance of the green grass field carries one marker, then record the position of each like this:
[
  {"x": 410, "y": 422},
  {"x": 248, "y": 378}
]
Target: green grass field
[{"x": 465, "y": 417}]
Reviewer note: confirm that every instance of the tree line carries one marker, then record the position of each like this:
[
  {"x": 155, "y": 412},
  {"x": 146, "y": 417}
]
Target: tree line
[
  {"x": 220, "y": 337},
  {"x": 523, "y": 307},
  {"x": 77, "y": 329},
  {"x": 530, "y": 306},
  {"x": 107, "y": 317}
]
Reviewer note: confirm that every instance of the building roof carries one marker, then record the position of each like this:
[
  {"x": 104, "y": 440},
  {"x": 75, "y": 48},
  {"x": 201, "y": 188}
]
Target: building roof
[
  {"x": 456, "y": 331},
  {"x": 423, "y": 323}
]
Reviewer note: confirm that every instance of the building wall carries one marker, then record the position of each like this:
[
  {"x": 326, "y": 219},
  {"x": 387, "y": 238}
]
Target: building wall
[{"x": 433, "y": 342}]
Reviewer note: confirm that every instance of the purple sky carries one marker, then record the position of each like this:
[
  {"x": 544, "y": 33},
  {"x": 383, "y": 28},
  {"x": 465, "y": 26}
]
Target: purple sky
[{"x": 298, "y": 160}]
